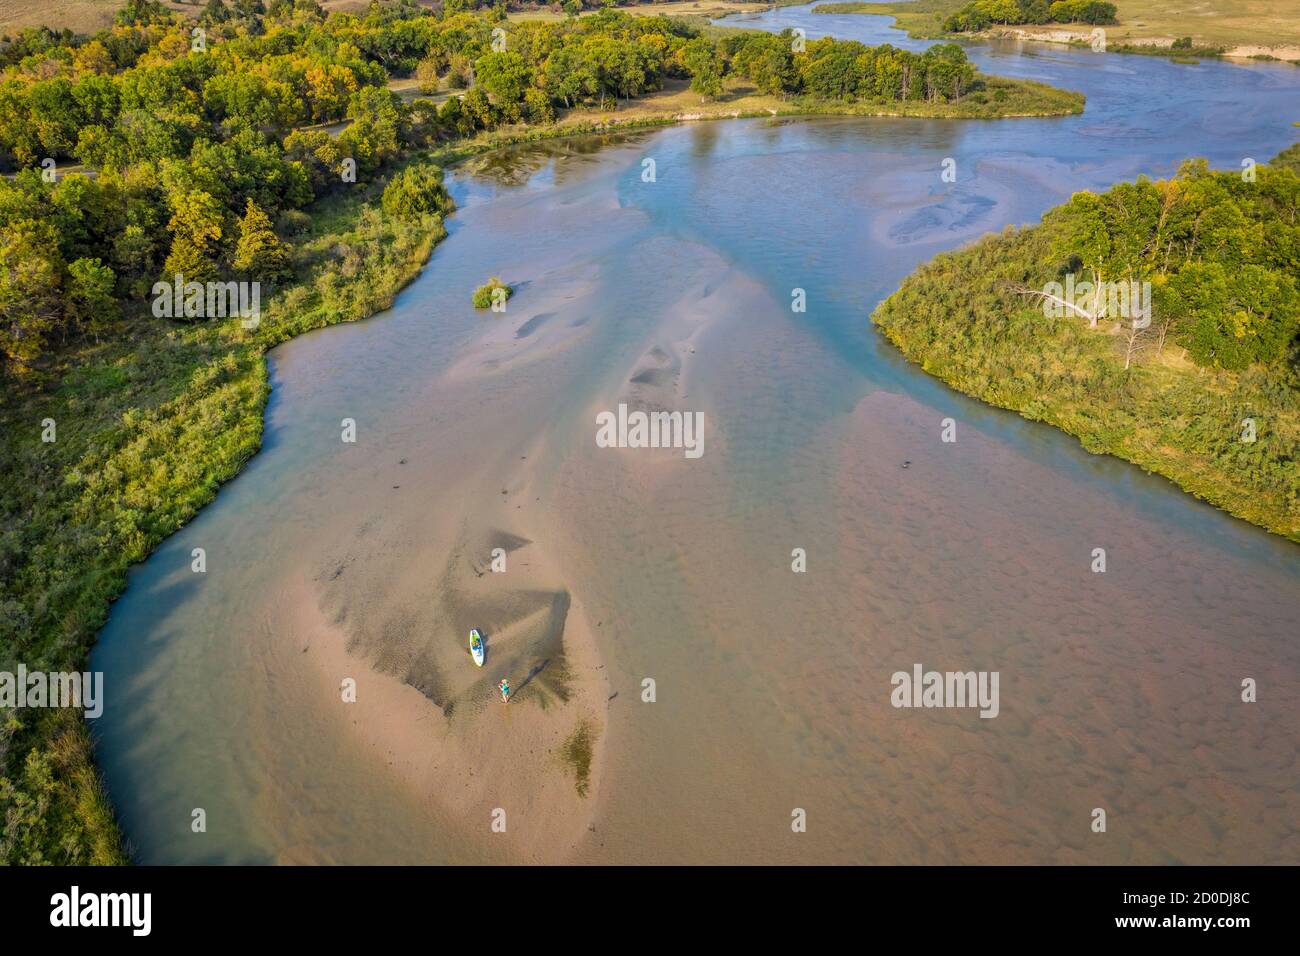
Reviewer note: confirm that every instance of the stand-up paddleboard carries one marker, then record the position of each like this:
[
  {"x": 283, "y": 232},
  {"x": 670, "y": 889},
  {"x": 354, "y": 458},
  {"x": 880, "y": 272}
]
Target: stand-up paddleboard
[{"x": 476, "y": 649}]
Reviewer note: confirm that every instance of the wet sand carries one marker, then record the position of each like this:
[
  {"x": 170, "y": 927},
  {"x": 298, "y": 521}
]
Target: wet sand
[
  {"x": 391, "y": 606},
  {"x": 459, "y": 748},
  {"x": 390, "y": 603}
]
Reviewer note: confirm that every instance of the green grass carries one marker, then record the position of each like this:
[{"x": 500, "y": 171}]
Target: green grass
[
  {"x": 149, "y": 427},
  {"x": 483, "y": 294},
  {"x": 921, "y": 19},
  {"x": 577, "y": 754},
  {"x": 958, "y": 318}
]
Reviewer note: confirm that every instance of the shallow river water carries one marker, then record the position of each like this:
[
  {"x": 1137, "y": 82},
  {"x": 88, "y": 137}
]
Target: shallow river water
[{"x": 1118, "y": 691}]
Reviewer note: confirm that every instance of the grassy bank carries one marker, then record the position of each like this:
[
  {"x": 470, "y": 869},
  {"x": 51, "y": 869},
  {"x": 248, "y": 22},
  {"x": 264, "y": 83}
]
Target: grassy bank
[
  {"x": 149, "y": 425},
  {"x": 921, "y": 19},
  {"x": 1246, "y": 29},
  {"x": 994, "y": 98},
  {"x": 1177, "y": 403}
]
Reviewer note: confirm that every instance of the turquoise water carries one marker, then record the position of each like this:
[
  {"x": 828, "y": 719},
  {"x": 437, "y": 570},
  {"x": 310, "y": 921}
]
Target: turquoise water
[{"x": 1118, "y": 691}]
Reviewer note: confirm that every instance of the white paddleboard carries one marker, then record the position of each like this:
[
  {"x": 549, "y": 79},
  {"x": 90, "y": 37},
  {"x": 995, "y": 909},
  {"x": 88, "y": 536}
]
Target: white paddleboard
[{"x": 476, "y": 648}]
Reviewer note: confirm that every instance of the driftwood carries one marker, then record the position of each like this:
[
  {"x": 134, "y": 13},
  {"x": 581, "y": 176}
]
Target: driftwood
[
  {"x": 1025, "y": 290},
  {"x": 1133, "y": 339}
]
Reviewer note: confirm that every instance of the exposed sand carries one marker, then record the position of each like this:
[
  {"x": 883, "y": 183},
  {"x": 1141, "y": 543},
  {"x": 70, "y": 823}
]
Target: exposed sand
[
  {"x": 424, "y": 712},
  {"x": 521, "y": 337},
  {"x": 1241, "y": 51},
  {"x": 1042, "y": 36},
  {"x": 464, "y": 750},
  {"x": 1291, "y": 52},
  {"x": 391, "y": 604},
  {"x": 388, "y": 596},
  {"x": 429, "y": 716}
]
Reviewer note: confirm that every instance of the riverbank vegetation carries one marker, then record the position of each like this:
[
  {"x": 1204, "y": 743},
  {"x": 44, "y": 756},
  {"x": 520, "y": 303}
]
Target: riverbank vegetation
[
  {"x": 981, "y": 14},
  {"x": 933, "y": 18},
  {"x": 577, "y": 753},
  {"x": 1206, "y": 394},
  {"x": 492, "y": 293}
]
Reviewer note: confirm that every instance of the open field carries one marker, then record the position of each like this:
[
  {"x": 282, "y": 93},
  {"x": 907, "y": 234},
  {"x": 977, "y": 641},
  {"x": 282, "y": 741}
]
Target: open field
[
  {"x": 671, "y": 8},
  {"x": 1242, "y": 28},
  {"x": 82, "y": 16},
  {"x": 88, "y": 16},
  {"x": 1229, "y": 23}
]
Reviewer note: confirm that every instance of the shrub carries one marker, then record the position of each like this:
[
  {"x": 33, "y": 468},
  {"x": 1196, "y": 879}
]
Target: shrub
[
  {"x": 484, "y": 294},
  {"x": 416, "y": 191}
]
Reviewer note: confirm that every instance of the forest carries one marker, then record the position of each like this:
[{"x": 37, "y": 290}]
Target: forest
[
  {"x": 193, "y": 149},
  {"x": 1207, "y": 393}
]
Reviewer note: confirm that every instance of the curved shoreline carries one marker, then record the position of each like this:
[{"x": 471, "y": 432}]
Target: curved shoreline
[
  {"x": 457, "y": 159},
  {"x": 251, "y": 380},
  {"x": 456, "y": 153},
  {"x": 1103, "y": 430}
]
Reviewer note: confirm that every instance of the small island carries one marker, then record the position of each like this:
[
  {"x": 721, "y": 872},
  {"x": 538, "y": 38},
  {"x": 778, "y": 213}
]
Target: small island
[{"x": 492, "y": 294}]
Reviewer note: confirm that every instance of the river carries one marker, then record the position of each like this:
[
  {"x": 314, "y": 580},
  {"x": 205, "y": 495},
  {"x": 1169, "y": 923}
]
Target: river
[{"x": 329, "y": 560}]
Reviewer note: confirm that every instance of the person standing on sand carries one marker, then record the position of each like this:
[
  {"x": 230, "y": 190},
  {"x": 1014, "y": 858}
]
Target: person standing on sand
[{"x": 504, "y": 687}]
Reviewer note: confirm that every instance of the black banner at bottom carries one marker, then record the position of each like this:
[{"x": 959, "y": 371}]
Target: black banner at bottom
[{"x": 211, "y": 904}]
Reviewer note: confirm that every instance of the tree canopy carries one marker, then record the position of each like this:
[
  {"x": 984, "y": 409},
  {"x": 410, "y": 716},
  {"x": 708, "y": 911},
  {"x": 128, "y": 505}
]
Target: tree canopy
[
  {"x": 146, "y": 148},
  {"x": 982, "y": 14}
]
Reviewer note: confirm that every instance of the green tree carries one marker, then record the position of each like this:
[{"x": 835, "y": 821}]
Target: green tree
[
  {"x": 29, "y": 293},
  {"x": 539, "y": 106},
  {"x": 90, "y": 297},
  {"x": 479, "y": 108},
  {"x": 379, "y": 122},
  {"x": 416, "y": 191},
  {"x": 831, "y": 69},
  {"x": 259, "y": 253},
  {"x": 195, "y": 226},
  {"x": 701, "y": 58},
  {"x": 142, "y": 13},
  {"x": 1232, "y": 319},
  {"x": 505, "y": 76},
  {"x": 214, "y": 12},
  {"x": 568, "y": 75},
  {"x": 133, "y": 254}
]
